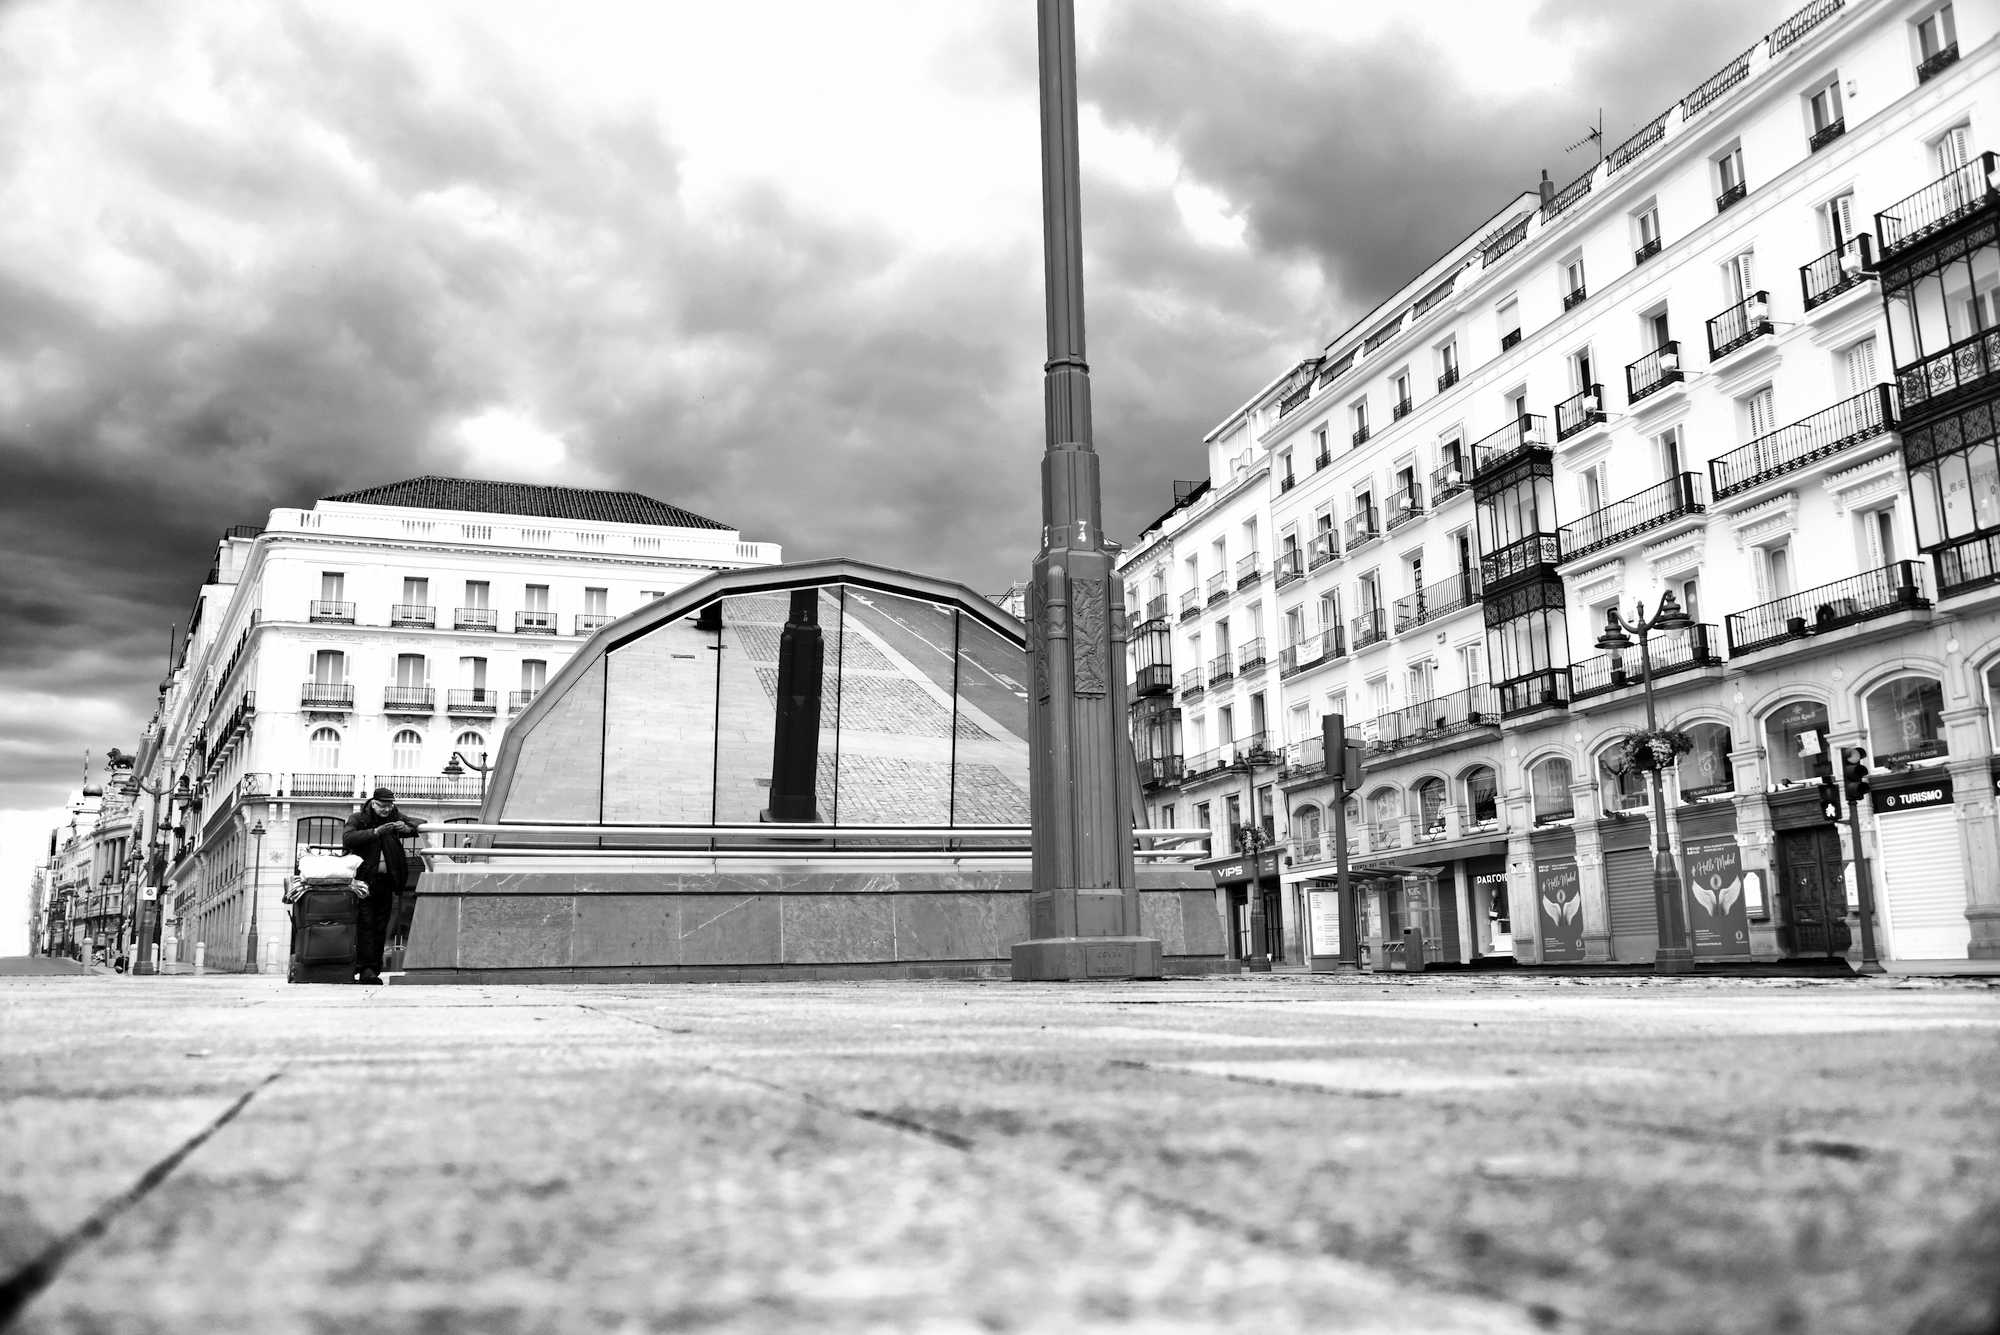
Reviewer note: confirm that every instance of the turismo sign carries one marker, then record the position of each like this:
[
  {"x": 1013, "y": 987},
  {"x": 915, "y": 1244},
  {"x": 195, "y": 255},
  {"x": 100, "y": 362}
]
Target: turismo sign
[{"x": 1933, "y": 790}]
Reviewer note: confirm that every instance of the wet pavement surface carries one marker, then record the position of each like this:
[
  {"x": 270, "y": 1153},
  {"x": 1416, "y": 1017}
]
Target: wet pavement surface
[{"x": 1278, "y": 1153}]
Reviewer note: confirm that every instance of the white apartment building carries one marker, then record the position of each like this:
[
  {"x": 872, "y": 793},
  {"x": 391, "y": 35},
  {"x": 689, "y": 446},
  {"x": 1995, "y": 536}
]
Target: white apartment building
[
  {"x": 1749, "y": 358},
  {"x": 365, "y": 640}
]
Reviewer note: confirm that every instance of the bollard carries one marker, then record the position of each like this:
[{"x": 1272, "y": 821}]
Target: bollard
[
  {"x": 200, "y": 956},
  {"x": 156, "y": 959},
  {"x": 1413, "y": 950}
]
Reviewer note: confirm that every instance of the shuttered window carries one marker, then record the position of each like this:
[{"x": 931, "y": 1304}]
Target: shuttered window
[
  {"x": 1861, "y": 366},
  {"x": 1763, "y": 413},
  {"x": 1924, "y": 899}
]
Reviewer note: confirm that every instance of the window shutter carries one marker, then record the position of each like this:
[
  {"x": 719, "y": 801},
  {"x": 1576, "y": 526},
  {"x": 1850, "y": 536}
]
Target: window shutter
[
  {"x": 1954, "y": 149},
  {"x": 1761, "y": 568},
  {"x": 1761, "y": 414},
  {"x": 1842, "y": 214},
  {"x": 1861, "y": 366}
]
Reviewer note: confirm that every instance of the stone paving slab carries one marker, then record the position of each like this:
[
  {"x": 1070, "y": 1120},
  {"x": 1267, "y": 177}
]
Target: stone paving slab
[{"x": 1278, "y": 1153}]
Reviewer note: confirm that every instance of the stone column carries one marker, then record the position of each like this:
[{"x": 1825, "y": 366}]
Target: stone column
[{"x": 1584, "y": 799}]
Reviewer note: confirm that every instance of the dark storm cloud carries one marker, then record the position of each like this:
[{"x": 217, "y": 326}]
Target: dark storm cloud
[
  {"x": 322, "y": 281},
  {"x": 1367, "y": 155}
]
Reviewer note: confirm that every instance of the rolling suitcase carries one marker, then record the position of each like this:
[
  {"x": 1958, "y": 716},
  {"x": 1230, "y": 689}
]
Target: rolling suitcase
[{"x": 326, "y": 935}]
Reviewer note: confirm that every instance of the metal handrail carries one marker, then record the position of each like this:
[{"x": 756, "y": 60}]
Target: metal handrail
[
  {"x": 1635, "y": 514},
  {"x": 1945, "y": 374},
  {"x": 1323, "y": 548},
  {"x": 1654, "y": 372},
  {"x": 1746, "y": 321},
  {"x": 1583, "y": 409},
  {"x": 412, "y": 614},
  {"x": 1363, "y": 526},
  {"x": 1896, "y": 587},
  {"x": 1827, "y": 432},
  {"x": 323, "y": 609},
  {"x": 1671, "y": 652},
  {"x": 1497, "y": 447},
  {"x": 1957, "y": 194},
  {"x": 1847, "y": 265},
  {"x": 1405, "y": 504}
]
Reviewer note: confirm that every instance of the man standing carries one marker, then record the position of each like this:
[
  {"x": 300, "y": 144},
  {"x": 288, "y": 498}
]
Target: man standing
[{"x": 375, "y": 833}]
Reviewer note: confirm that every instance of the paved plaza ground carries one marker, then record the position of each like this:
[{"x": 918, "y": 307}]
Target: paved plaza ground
[{"x": 1445, "y": 1153}]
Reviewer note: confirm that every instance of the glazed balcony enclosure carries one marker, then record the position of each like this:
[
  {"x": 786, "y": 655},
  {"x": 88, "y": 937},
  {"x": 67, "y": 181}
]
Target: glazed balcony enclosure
[{"x": 1896, "y": 587}]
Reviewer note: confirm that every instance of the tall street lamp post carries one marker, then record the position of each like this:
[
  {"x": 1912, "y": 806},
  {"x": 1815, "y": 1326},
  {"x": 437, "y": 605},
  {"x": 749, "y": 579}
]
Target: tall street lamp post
[
  {"x": 456, "y": 767},
  {"x": 1251, "y": 838},
  {"x": 1676, "y": 952},
  {"x": 1083, "y": 913},
  {"x": 250, "y": 964}
]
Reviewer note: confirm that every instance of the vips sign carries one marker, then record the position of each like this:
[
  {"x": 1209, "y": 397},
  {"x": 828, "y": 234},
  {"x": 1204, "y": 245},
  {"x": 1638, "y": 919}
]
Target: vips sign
[
  {"x": 1719, "y": 914},
  {"x": 1559, "y": 905}
]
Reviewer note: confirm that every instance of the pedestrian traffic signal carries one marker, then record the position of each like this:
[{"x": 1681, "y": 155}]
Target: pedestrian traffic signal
[
  {"x": 1350, "y": 772},
  {"x": 1854, "y": 772},
  {"x": 1829, "y": 799}
]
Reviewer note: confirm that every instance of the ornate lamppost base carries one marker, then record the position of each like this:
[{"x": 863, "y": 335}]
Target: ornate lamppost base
[{"x": 1061, "y": 959}]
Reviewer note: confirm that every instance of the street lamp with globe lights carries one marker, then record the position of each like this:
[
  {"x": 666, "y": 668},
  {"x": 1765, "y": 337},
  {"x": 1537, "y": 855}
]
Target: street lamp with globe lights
[
  {"x": 456, "y": 767},
  {"x": 256, "y": 879},
  {"x": 1676, "y": 951}
]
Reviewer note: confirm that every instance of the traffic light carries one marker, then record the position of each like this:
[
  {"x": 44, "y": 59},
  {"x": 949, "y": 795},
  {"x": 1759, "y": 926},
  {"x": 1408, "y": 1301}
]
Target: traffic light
[
  {"x": 1854, "y": 772},
  {"x": 1343, "y": 758},
  {"x": 1351, "y": 766},
  {"x": 1829, "y": 799}
]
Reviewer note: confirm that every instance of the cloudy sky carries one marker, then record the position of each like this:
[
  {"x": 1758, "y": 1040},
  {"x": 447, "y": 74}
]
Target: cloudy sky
[{"x": 777, "y": 261}]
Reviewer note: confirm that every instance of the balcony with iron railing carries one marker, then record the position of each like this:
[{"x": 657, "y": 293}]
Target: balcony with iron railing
[
  {"x": 1287, "y": 482},
  {"x": 1896, "y": 587},
  {"x": 1654, "y": 372},
  {"x": 1967, "y": 564},
  {"x": 587, "y": 622},
  {"x": 1363, "y": 527},
  {"x": 1448, "y": 481},
  {"x": 1289, "y": 566},
  {"x": 1672, "y": 651},
  {"x": 1531, "y": 691},
  {"x": 1323, "y": 548},
  {"x": 1323, "y": 646},
  {"x": 1403, "y": 408},
  {"x": 1192, "y": 684},
  {"x": 1646, "y": 252},
  {"x": 1249, "y": 569},
  {"x": 1156, "y": 607},
  {"x": 521, "y": 699},
  {"x": 1524, "y": 556},
  {"x": 1621, "y": 521},
  {"x": 326, "y": 695},
  {"x": 1845, "y": 267},
  {"x": 534, "y": 623},
  {"x": 1829, "y": 432},
  {"x": 1218, "y": 587},
  {"x": 1322, "y": 460},
  {"x": 1371, "y": 627},
  {"x": 1934, "y": 382},
  {"x": 1255, "y": 749},
  {"x": 1448, "y": 379},
  {"x": 1206, "y": 762},
  {"x": 473, "y": 700},
  {"x": 1250, "y": 655},
  {"x": 1529, "y": 431},
  {"x": 408, "y": 699},
  {"x": 1221, "y": 668},
  {"x": 1509, "y": 339},
  {"x": 1191, "y": 604},
  {"x": 319, "y": 785},
  {"x": 476, "y": 618},
  {"x": 1932, "y": 66},
  {"x": 412, "y": 615},
  {"x": 1405, "y": 504},
  {"x": 1739, "y": 326},
  {"x": 1580, "y": 412},
  {"x": 336, "y": 613},
  {"x": 1955, "y": 197},
  {"x": 1434, "y": 719},
  {"x": 1826, "y": 134},
  {"x": 428, "y": 787},
  {"x": 1153, "y": 679},
  {"x": 1436, "y": 601}
]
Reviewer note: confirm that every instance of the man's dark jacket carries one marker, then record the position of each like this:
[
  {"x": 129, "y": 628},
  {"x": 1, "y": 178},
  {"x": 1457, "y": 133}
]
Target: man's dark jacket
[{"x": 381, "y": 854}]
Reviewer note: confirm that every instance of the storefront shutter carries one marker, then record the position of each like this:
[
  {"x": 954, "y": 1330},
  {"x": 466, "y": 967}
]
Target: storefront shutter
[
  {"x": 1628, "y": 888},
  {"x": 1924, "y": 885}
]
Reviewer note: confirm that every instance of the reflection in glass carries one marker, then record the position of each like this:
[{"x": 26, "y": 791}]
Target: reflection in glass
[
  {"x": 897, "y": 707},
  {"x": 659, "y": 725},
  {"x": 990, "y": 765},
  {"x": 1795, "y": 740},
  {"x": 1906, "y": 720}
]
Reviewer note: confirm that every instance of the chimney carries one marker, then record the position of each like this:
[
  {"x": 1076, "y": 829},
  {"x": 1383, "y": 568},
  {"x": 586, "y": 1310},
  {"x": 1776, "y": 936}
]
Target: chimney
[{"x": 1548, "y": 189}]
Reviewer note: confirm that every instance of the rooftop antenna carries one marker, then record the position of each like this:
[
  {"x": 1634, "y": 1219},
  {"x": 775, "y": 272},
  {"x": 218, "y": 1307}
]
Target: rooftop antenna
[{"x": 1596, "y": 136}]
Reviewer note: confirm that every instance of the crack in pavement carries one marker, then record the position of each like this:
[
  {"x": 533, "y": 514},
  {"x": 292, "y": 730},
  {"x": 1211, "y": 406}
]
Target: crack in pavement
[{"x": 19, "y": 1288}]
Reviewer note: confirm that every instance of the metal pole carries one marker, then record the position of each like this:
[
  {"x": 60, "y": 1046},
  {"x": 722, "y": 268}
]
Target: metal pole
[
  {"x": 250, "y": 962},
  {"x": 1083, "y": 911},
  {"x": 1350, "y": 918},
  {"x": 1864, "y": 888},
  {"x": 1676, "y": 952}
]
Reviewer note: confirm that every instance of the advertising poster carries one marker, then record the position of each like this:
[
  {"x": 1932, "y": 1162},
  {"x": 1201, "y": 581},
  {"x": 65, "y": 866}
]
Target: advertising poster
[
  {"x": 1559, "y": 899},
  {"x": 1718, "y": 912},
  {"x": 1324, "y": 905}
]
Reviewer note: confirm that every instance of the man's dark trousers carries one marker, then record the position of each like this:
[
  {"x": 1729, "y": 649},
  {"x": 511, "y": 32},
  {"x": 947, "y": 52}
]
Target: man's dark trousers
[{"x": 376, "y": 912}]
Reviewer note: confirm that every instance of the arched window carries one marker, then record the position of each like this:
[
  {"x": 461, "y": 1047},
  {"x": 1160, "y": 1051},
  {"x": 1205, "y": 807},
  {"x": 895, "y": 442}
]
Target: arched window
[
  {"x": 1795, "y": 741},
  {"x": 406, "y": 751},
  {"x": 325, "y": 750},
  {"x": 320, "y": 832},
  {"x": 1482, "y": 796},
  {"x": 1906, "y": 720},
  {"x": 470, "y": 742},
  {"x": 1430, "y": 806},
  {"x": 1706, "y": 771},
  {"x": 1385, "y": 806},
  {"x": 1548, "y": 783},
  {"x": 1308, "y": 818},
  {"x": 1623, "y": 786}
]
